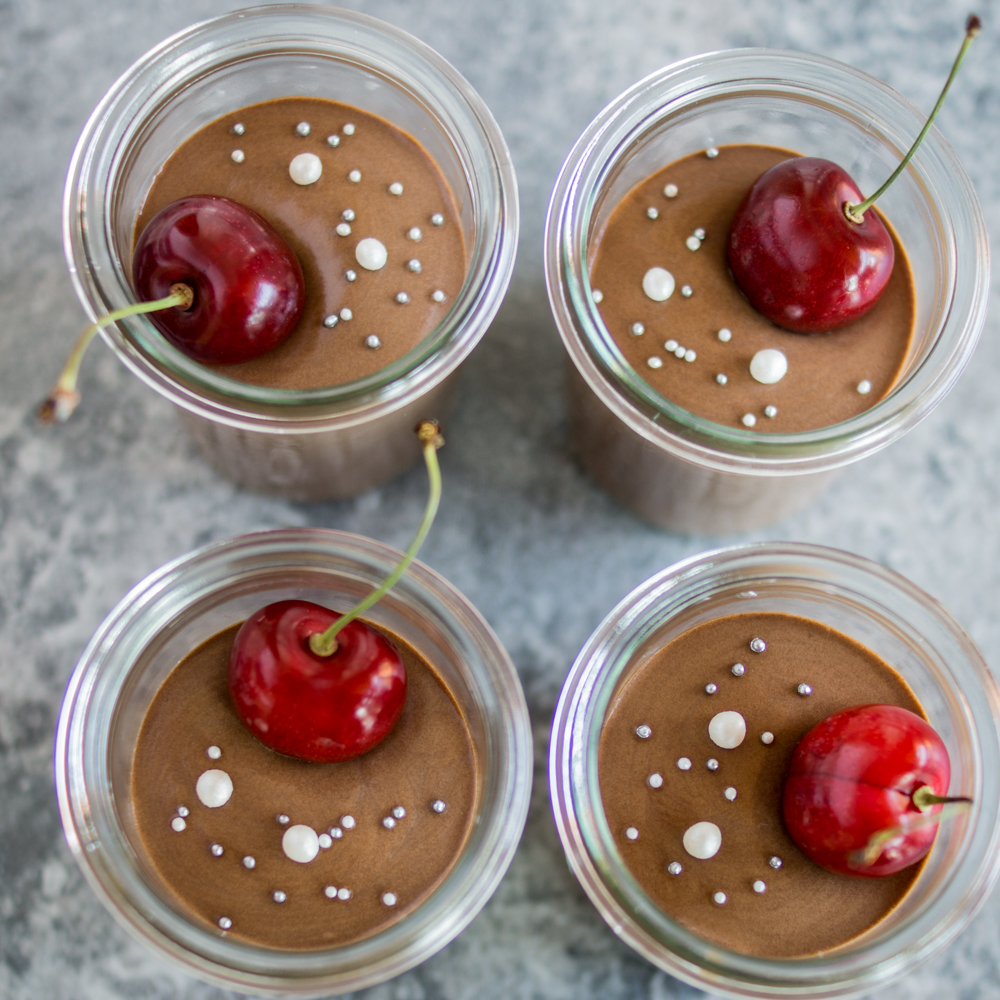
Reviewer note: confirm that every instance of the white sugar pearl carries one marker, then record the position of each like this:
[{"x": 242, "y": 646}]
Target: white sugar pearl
[
  {"x": 300, "y": 843},
  {"x": 413, "y": 266},
  {"x": 767, "y": 738},
  {"x": 658, "y": 284},
  {"x": 415, "y": 234},
  {"x": 770, "y": 412},
  {"x": 250, "y": 861},
  {"x": 348, "y": 129},
  {"x": 437, "y": 219},
  {"x": 749, "y": 420},
  {"x": 671, "y": 345},
  {"x": 759, "y": 886},
  {"x": 711, "y": 152},
  {"x": 864, "y": 387},
  {"x": 768, "y": 366},
  {"x": 730, "y": 793},
  {"x": 346, "y": 314},
  {"x": 638, "y": 329},
  {"x": 183, "y": 811},
  {"x": 347, "y": 822},
  {"x": 225, "y": 923},
  {"x": 711, "y": 688},
  {"x": 325, "y": 841},
  {"x": 178, "y": 824},
  {"x": 302, "y": 129},
  {"x": 721, "y": 378},
  {"x": 805, "y": 690},
  {"x": 283, "y": 819},
  {"x": 727, "y": 730},
  {"x": 737, "y": 670},
  {"x": 238, "y": 129},
  {"x": 632, "y": 833},
  {"x": 343, "y": 893},
  {"x": 684, "y": 763},
  {"x": 330, "y": 892},
  {"x": 775, "y": 862},
  {"x": 725, "y": 335},
  {"x": 388, "y": 822},
  {"x": 237, "y": 156},
  {"x": 398, "y": 811},
  {"x": 757, "y": 645},
  {"x": 702, "y": 840},
  {"x": 389, "y": 898},
  {"x": 680, "y": 352},
  {"x": 278, "y": 896},
  {"x": 214, "y": 752},
  {"x": 598, "y": 295},
  {"x": 690, "y": 355},
  {"x": 306, "y": 168},
  {"x": 333, "y": 141},
  {"x": 652, "y": 213},
  {"x": 214, "y": 788},
  {"x": 354, "y": 176},
  {"x": 402, "y": 298},
  {"x": 372, "y": 342},
  {"x": 218, "y": 850},
  {"x": 348, "y": 215},
  {"x": 655, "y": 362},
  {"x": 643, "y": 732},
  {"x": 343, "y": 229},
  {"x": 655, "y": 780},
  {"x": 396, "y": 188},
  {"x": 371, "y": 254},
  {"x": 675, "y": 868},
  {"x": 438, "y": 296},
  {"x": 719, "y": 899},
  {"x": 687, "y": 291},
  {"x": 439, "y": 806},
  {"x": 692, "y": 243},
  {"x": 670, "y": 191}
]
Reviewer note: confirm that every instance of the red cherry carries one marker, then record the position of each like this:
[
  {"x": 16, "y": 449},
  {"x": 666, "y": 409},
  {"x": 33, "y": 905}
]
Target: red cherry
[
  {"x": 316, "y": 708},
  {"x": 798, "y": 258},
  {"x": 855, "y": 775},
  {"x": 248, "y": 285}
]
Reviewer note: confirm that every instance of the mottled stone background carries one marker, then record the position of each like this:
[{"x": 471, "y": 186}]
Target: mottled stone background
[{"x": 89, "y": 509}]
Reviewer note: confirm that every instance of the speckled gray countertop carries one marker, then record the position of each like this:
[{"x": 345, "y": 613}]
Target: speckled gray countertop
[{"x": 89, "y": 509}]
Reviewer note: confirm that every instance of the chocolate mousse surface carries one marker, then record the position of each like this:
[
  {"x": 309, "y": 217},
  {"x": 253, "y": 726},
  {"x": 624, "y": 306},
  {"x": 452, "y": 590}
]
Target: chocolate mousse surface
[
  {"x": 802, "y": 909},
  {"x": 191, "y": 727},
  {"x": 825, "y": 370},
  {"x": 385, "y": 160}
]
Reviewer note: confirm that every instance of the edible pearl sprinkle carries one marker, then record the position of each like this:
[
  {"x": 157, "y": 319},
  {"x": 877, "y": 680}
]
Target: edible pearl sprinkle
[
  {"x": 402, "y": 298},
  {"x": 438, "y": 296},
  {"x": 302, "y": 129},
  {"x": 354, "y": 176},
  {"x": 330, "y": 321},
  {"x": 598, "y": 295},
  {"x": 770, "y": 411},
  {"x": 759, "y": 886},
  {"x": 725, "y": 335},
  {"x": 282, "y": 819},
  {"x": 700, "y": 233},
  {"x": 237, "y": 156},
  {"x": 737, "y": 670},
  {"x": 238, "y": 129},
  {"x": 719, "y": 899},
  {"x": 344, "y": 893},
  {"x": 343, "y": 229},
  {"x": 330, "y": 892},
  {"x": 721, "y": 378},
  {"x": 225, "y": 923},
  {"x": 439, "y": 806},
  {"x": 727, "y": 730},
  {"x": 336, "y": 832},
  {"x": 652, "y": 213},
  {"x": 218, "y": 850},
  {"x": 690, "y": 355},
  {"x": 638, "y": 329},
  {"x": 183, "y": 811},
  {"x": 680, "y": 352},
  {"x": 658, "y": 284},
  {"x": 768, "y": 366},
  {"x": 711, "y": 152},
  {"x": 692, "y": 243},
  {"x": 655, "y": 362},
  {"x": 249, "y": 861},
  {"x": 767, "y": 738},
  {"x": 632, "y": 833},
  {"x": 333, "y": 140},
  {"x": 413, "y": 266},
  {"x": 415, "y": 235},
  {"x": 388, "y": 822},
  {"x": 805, "y": 690},
  {"x": 348, "y": 215},
  {"x": 214, "y": 788},
  {"x": 371, "y": 254},
  {"x": 351, "y": 275},
  {"x": 398, "y": 811},
  {"x": 730, "y": 793},
  {"x": 348, "y": 129},
  {"x": 775, "y": 862},
  {"x": 643, "y": 732},
  {"x": 372, "y": 342},
  {"x": 306, "y": 168},
  {"x": 671, "y": 345},
  {"x": 214, "y": 752},
  {"x": 702, "y": 840},
  {"x": 758, "y": 645},
  {"x": 749, "y": 420},
  {"x": 684, "y": 764},
  {"x": 389, "y": 898},
  {"x": 655, "y": 780},
  {"x": 278, "y": 896},
  {"x": 670, "y": 191},
  {"x": 712, "y": 764},
  {"x": 178, "y": 825},
  {"x": 396, "y": 188},
  {"x": 687, "y": 291},
  {"x": 437, "y": 219},
  {"x": 300, "y": 843},
  {"x": 864, "y": 387},
  {"x": 675, "y": 868},
  {"x": 711, "y": 688},
  {"x": 325, "y": 841}
]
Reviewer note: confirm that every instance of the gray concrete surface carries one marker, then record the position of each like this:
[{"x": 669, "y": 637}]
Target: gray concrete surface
[{"x": 89, "y": 509}]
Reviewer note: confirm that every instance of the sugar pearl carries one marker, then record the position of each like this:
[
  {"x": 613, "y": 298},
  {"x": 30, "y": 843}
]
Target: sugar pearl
[
  {"x": 702, "y": 840},
  {"x": 225, "y": 923},
  {"x": 805, "y": 690},
  {"x": 396, "y": 188},
  {"x": 402, "y": 298},
  {"x": 768, "y": 366},
  {"x": 348, "y": 215},
  {"x": 372, "y": 342},
  {"x": 655, "y": 362},
  {"x": 413, "y": 266},
  {"x": 330, "y": 892},
  {"x": 711, "y": 688},
  {"x": 643, "y": 732},
  {"x": 343, "y": 229},
  {"x": 344, "y": 893},
  {"x": 684, "y": 763},
  {"x": 439, "y": 806},
  {"x": 398, "y": 811},
  {"x": 415, "y": 235},
  {"x": 213, "y": 752},
  {"x": 670, "y": 191},
  {"x": 655, "y": 780},
  {"x": 632, "y": 833},
  {"x": 278, "y": 896},
  {"x": 719, "y": 899},
  {"x": 437, "y": 219},
  {"x": 183, "y": 811},
  {"x": 325, "y": 841},
  {"x": 438, "y": 296},
  {"x": 692, "y": 243},
  {"x": 351, "y": 275},
  {"x": 371, "y": 254},
  {"x": 775, "y": 862},
  {"x": 237, "y": 156},
  {"x": 737, "y": 670},
  {"x": 330, "y": 321},
  {"x": 300, "y": 843},
  {"x": 598, "y": 295},
  {"x": 725, "y": 335},
  {"x": 237, "y": 129},
  {"x": 214, "y": 788},
  {"x": 721, "y": 378},
  {"x": 306, "y": 168},
  {"x": 302, "y": 129},
  {"x": 757, "y": 645},
  {"x": 638, "y": 329},
  {"x": 354, "y": 176},
  {"x": 388, "y": 822},
  {"x": 770, "y": 411},
  {"x": 712, "y": 764},
  {"x": 217, "y": 850},
  {"x": 658, "y": 284},
  {"x": 730, "y": 793},
  {"x": 389, "y": 898},
  {"x": 727, "y": 730},
  {"x": 250, "y": 861},
  {"x": 864, "y": 387},
  {"x": 348, "y": 129},
  {"x": 711, "y": 152},
  {"x": 759, "y": 886},
  {"x": 700, "y": 233},
  {"x": 333, "y": 140},
  {"x": 675, "y": 868},
  {"x": 652, "y": 213},
  {"x": 346, "y": 314},
  {"x": 767, "y": 738},
  {"x": 336, "y": 833},
  {"x": 687, "y": 291},
  {"x": 690, "y": 355},
  {"x": 178, "y": 824},
  {"x": 283, "y": 819}
]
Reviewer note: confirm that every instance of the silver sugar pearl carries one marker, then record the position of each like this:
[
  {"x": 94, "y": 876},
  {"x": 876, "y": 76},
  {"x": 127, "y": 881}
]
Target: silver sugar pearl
[
  {"x": 675, "y": 868},
  {"x": 250, "y": 861},
  {"x": 399, "y": 812},
  {"x": 373, "y": 342},
  {"x": 687, "y": 291},
  {"x": 348, "y": 215},
  {"x": 217, "y": 850},
  {"x": 302, "y": 129},
  {"x": 402, "y": 298},
  {"x": 278, "y": 896},
  {"x": 388, "y": 822},
  {"x": 237, "y": 156},
  {"x": 721, "y": 378},
  {"x": 336, "y": 832},
  {"x": 183, "y": 811},
  {"x": 758, "y": 645},
  {"x": 225, "y": 923},
  {"x": 711, "y": 152},
  {"x": 282, "y": 819},
  {"x": 439, "y": 806},
  {"x": 712, "y": 764},
  {"x": 775, "y": 862},
  {"x": 652, "y": 213},
  {"x": 413, "y": 266},
  {"x": 438, "y": 296},
  {"x": 738, "y": 670},
  {"x": 238, "y": 129},
  {"x": 437, "y": 219},
  {"x": 333, "y": 140},
  {"x": 643, "y": 732},
  {"x": 638, "y": 329},
  {"x": 700, "y": 233},
  {"x": 330, "y": 321},
  {"x": 805, "y": 690},
  {"x": 711, "y": 688},
  {"x": 770, "y": 411},
  {"x": 351, "y": 275}
]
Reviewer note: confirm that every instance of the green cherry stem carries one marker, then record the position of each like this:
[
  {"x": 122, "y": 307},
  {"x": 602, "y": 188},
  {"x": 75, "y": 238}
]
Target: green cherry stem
[
  {"x": 856, "y": 213},
  {"x": 325, "y": 643},
  {"x": 63, "y": 398}
]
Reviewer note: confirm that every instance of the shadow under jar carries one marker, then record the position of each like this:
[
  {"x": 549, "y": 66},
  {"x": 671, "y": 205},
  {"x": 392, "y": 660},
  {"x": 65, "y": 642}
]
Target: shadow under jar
[
  {"x": 693, "y": 475},
  {"x": 174, "y": 611},
  {"x": 875, "y": 608},
  {"x": 323, "y": 443}
]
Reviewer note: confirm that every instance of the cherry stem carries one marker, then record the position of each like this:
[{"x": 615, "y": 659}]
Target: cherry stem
[
  {"x": 856, "y": 213},
  {"x": 325, "y": 643},
  {"x": 63, "y": 397}
]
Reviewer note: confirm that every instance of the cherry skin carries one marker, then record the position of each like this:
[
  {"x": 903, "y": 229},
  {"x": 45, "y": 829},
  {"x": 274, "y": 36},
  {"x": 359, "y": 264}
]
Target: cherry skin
[
  {"x": 248, "y": 285},
  {"x": 315, "y": 708},
  {"x": 798, "y": 258},
  {"x": 854, "y": 775}
]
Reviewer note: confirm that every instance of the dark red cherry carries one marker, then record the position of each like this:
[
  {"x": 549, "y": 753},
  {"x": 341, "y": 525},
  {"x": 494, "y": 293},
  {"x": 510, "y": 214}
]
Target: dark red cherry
[
  {"x": 798, "y": 258},
  {"x": 316, "y": 708},
  {"x": 862, "y": 772},
  {"x": 248, "y": 285}
]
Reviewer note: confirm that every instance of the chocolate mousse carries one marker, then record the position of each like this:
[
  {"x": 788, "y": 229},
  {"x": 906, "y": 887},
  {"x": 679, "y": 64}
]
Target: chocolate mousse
[
  {"x": 289, "y": 854},
  {"x": 659, "y": 273},
  {"x": 692, "y": 762},
  {"x": 367, "y": 212}
]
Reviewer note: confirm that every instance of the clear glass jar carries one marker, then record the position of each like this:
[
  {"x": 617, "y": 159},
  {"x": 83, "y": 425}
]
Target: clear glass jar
[
  {"x": 310, "y": 444},
  {"x": 877, "y": 608},
  {"x": 187, "y": 601},
  {"x": 690, "y": 474}
]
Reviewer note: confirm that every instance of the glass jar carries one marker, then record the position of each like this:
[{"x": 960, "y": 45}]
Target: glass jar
[
  {"x": 681, "y": 471},
  {"x": 308, "y": 444},
  {"x": 878, "y": 609},
  {"x": 192, "y": 598}
]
